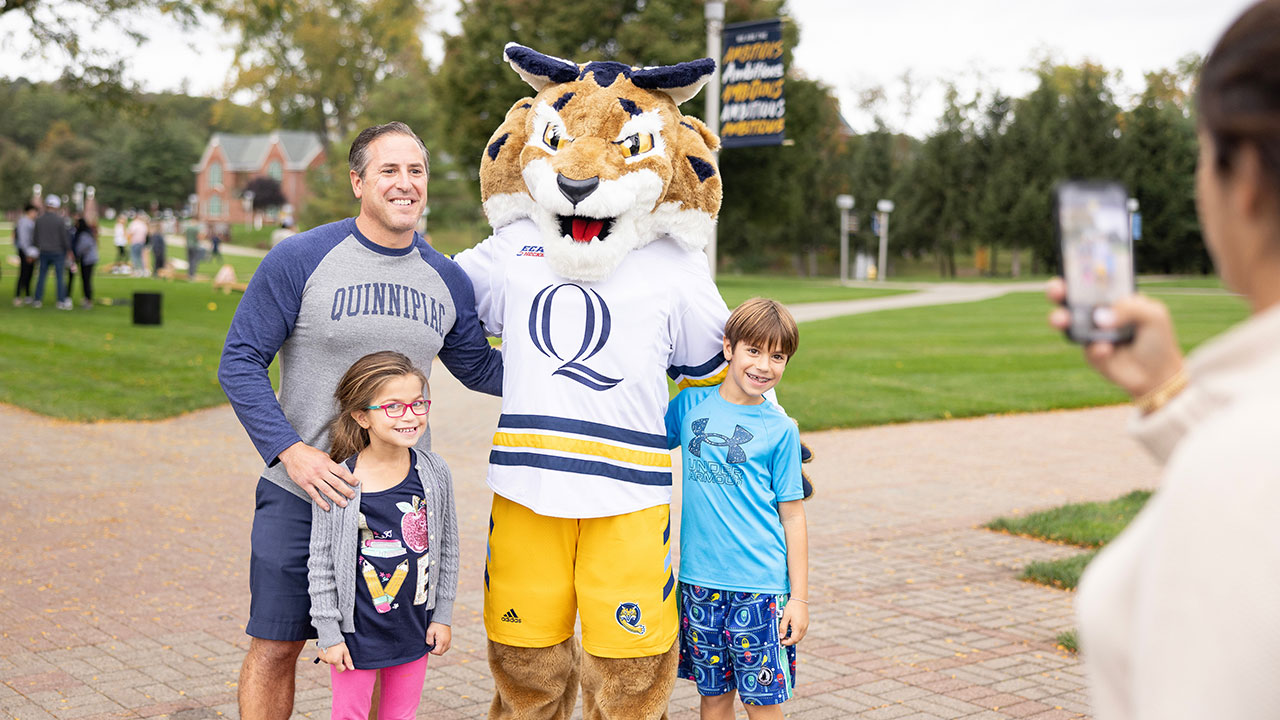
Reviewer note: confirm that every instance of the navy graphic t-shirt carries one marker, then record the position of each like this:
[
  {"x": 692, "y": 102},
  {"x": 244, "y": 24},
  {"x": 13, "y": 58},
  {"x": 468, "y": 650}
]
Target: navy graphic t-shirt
[{"x": 391, "y": 615}]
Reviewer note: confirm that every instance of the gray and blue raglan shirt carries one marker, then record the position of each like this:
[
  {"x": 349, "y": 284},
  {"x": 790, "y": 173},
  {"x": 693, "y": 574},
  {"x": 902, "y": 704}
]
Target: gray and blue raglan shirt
[{"x": 322, "y": 299}]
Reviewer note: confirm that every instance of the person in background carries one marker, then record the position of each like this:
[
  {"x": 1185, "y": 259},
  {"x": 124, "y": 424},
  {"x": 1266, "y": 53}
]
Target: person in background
[
  {"x": 24, "y": 241},
  {"x": 285, "y": 230},
  {"x": 156, "y": 241},
  {"x": 1178, "y": 615},
  {"x": 121, "y": 243},
  {"x": 53, "y": 240},
  {"x": 219, "y": 234},
  {"x": 192, "y": 234},
  {"x": 137, "y": 243},
  {"x": 85, "y": 247}
]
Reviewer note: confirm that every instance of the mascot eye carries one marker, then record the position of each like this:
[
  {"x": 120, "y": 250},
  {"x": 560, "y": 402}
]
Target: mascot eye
[
  {"x": 551, "y": 136},
  {"x": 636, "y": 144}
]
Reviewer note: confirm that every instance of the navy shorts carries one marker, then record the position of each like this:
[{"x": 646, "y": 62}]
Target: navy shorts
[
  {"x": 729, "y": 641},
  {"x": 279, "y": 605}
]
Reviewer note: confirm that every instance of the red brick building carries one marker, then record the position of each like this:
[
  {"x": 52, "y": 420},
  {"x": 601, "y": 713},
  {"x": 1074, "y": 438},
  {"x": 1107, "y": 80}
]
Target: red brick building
[{"x": 230, "y": 161}]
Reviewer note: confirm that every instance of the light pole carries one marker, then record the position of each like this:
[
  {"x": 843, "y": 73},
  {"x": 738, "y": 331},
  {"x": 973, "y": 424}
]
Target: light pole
[
  {"x": 248, "y": 209},
  {"x": 884, "y": 207},
  {"x": 845, "y": 203},
  {"x": 1135, "y": 227},
  {"x": 715, "y": 27}
]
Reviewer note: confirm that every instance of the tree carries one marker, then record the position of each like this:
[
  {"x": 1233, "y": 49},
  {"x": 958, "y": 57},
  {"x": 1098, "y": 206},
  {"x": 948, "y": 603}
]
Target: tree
[
  {"x": 56, "y": 28},
  {"x": 1159, "y": 152},
  {"x": 313, "y": 63},
  {"x": 936, "y": 193},
  {"x": 266, "y": 192}
]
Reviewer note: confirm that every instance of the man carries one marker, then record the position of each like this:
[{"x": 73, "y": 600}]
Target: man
[
  {"x": 323, "y": 299},
  {"x": 24, "y": 241},
  {"x": 53, "y": 241}
]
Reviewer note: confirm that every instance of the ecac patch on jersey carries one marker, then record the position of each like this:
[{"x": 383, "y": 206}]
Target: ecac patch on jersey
[{"x": 628, "y": 616}]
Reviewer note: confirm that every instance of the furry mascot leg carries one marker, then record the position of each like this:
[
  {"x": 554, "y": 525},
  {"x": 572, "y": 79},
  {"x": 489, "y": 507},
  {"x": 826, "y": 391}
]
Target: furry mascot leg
[
  {"x": 534, "y": 683},
  {"x": 628, "y": 688}
]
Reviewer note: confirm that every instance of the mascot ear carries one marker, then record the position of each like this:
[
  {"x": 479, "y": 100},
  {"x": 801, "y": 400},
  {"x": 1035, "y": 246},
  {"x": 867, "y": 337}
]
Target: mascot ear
[
  {"x": 680, "y": 82},
  {"x": 537, "y": 69}
]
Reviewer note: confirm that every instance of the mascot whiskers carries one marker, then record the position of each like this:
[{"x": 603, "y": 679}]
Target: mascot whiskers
[{"x": 602, "y": 196}]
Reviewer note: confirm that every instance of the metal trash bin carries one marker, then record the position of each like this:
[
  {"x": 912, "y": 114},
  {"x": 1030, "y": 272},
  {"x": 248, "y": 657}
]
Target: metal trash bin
[{"x": 146, "y": 308}]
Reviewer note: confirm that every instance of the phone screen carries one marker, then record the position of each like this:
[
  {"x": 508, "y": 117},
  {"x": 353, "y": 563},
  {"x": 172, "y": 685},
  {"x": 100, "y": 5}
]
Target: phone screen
[{"x": 1097, "y": 255}]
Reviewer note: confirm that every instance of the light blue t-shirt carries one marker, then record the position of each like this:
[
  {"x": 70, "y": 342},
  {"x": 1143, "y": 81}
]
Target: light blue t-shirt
[{"x": 740, "y": 461}]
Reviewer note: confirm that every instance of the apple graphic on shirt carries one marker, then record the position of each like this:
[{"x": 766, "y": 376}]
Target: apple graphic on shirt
[{"x": 413, "y": 526}]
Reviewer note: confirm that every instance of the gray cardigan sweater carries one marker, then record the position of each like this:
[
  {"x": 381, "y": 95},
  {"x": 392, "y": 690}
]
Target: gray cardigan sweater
[{"x": 335, "y": 535}]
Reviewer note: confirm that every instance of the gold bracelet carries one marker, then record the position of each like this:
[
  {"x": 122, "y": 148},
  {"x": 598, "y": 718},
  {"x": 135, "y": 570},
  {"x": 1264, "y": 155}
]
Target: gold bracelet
[{"x": 1166, "y": 391}]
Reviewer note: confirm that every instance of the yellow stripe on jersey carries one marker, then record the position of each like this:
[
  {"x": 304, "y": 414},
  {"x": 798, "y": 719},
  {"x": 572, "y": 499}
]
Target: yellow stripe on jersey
[
  {"x": 704, "y": 382},
  {"x": 581, "y": 447}
]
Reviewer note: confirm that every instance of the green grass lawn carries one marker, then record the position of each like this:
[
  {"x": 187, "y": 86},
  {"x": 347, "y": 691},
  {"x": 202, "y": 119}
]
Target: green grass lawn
[
  {"x": 989, "y": 357},
  {"x": 994, "y": 356},
  {"x": 787, "y": 290},
  {"x": 1208, "y": 282},
  {"x": 1089, "y": 525},
  {"x": 96, "y": 364}
]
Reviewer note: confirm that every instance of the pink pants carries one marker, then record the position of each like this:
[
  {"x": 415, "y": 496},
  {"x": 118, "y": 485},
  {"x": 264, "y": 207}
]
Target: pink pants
[{"x": 401, "y": 691}]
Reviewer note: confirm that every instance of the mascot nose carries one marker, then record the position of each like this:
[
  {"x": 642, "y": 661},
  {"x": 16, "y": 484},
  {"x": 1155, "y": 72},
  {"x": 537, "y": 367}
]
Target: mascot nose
[{"x": 577, "y": 190}]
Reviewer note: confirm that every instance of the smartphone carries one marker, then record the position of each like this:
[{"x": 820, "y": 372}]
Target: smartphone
[{"x": 1097, "y": 254}]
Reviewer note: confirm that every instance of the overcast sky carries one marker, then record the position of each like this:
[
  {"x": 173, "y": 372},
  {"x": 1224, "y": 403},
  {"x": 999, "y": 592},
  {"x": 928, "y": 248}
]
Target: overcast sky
[{"x": 848, "y": 44}]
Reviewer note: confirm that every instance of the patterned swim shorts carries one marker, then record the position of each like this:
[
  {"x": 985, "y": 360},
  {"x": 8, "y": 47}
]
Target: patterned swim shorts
[{"x": 729, "y": 640}]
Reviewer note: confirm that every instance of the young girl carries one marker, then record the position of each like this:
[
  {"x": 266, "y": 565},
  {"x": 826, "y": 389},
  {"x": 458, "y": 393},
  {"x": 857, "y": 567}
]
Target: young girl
[{"x": 383, "y": 571}]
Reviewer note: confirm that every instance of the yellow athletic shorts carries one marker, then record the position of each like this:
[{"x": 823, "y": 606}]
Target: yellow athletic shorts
[{"x": 615, "y": 572}]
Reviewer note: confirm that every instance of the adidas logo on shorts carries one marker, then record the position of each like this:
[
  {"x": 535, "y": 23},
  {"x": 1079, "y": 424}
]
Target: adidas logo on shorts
[{"x": 511, "y": 616}]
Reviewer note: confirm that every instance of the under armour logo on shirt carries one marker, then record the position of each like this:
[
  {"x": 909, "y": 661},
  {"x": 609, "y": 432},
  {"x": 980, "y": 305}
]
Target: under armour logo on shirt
[{"x": 700, "y": 435}]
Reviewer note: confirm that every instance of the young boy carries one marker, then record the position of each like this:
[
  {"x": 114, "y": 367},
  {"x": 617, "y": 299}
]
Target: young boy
[{"x": 744, "y": 557}]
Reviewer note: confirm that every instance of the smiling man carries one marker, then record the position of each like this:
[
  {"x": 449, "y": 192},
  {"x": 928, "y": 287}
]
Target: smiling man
[{"x": 320, "y": 300}]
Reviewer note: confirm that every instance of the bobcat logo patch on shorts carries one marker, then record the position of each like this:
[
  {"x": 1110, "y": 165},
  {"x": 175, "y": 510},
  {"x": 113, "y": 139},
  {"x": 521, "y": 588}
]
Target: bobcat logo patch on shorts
[{"x": 628, "y": 616}]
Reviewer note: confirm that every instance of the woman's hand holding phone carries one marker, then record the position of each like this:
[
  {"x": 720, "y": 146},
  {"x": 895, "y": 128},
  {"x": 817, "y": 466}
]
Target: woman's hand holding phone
[{"x": 1139, "y": 366}]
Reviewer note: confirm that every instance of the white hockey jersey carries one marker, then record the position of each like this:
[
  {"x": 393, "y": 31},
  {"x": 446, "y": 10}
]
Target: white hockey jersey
[{"x": 584, "y": 390}]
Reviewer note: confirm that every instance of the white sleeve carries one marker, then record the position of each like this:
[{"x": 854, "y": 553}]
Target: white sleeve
[
  {"x": 697, "y": 326},
  {"x": 485, "y": 265}
]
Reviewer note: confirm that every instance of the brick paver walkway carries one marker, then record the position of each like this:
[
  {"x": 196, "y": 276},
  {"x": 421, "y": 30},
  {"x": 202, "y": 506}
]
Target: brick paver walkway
[{"x": 125, "y": 586}]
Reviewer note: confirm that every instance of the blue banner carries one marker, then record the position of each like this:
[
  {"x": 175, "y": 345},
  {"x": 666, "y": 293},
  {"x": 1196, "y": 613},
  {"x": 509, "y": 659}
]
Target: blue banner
[{"x": 752, "y": 106}]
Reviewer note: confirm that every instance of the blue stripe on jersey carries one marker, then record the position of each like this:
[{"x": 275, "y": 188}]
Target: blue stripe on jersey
[
  {"x": 696, "y": 371},
  {"x": 671, "y": 581},
  {"x": 579, "y": 467},
  {"x": 582, "y": 427}
]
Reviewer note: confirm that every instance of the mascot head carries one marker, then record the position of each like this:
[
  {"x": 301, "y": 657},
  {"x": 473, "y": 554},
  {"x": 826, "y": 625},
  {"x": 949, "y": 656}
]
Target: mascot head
[{"x": 602, "y": 160}]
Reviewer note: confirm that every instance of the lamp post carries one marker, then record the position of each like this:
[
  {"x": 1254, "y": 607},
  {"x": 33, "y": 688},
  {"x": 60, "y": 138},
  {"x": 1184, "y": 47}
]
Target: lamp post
[
  {"x": 845, "y": 203},
  {"x": 1135, "y": 227},
  {"x": 248, "y": 209},
  {"x": 78, "y": 196},
  {"x": 884, "y": 207},
  {"x": 714, "y": 13},
  {"x": 37, "y": 191}
]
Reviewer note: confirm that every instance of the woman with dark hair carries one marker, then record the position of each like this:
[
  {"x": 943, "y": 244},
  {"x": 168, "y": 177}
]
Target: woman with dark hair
[
  {"x": 84, "y": 245},
  {"x": 1180, "y": 615}
]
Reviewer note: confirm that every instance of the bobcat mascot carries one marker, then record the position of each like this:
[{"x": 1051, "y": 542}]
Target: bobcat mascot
[{"x": 602, "y": 196}]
